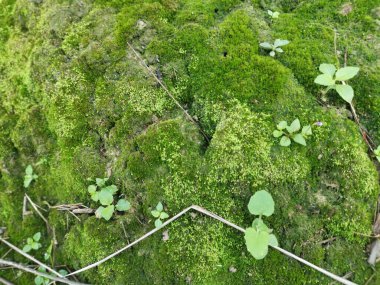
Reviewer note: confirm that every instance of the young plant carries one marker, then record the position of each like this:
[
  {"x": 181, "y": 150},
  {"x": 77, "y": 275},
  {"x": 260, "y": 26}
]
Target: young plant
[
  {"x": 274, "y": 15},
  {"x": 275, "y": 47},
  {"x": 377, "y": 153},
  {"x": 29, "y": 176},
  {"x": 259, "y": 236},
  {"x": 33, "y": 243},
  {"x": 159, "y": 214},
  {"x": 289, "y": 133},
  {"x": 330, "y": 75},
  {"x": 40, "y": 280},
  {"x": 106, "y": 199}
]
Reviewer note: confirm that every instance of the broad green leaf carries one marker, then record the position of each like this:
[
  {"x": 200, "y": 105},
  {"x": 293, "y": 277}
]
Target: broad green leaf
[
  {"x": 29, "y": 170},
  {"x": 107, "y": 212},
  {"x": 159, "y": 207},
  {"x": 36, "y": 245},
  {"x": 277, "y": 133},
  {"x": 158, "y": 223},
  {"x": 306, "y": 130},
  {"x": 345, "y": 91},
  {"x": 272, "y": 53},
  {"x": 279, "y": 50},
  {"x": 273, "y": 240},
  {"x": 105, "y": 197},
  {"x": 27, "y": 180},
  {"x": 27, "y": 248},
  {"x": 259, "y": 225},
  {"x": 98, "y": 212},
  {"x": 280, "y": 43},
  {"x": 266, "y": 45},
  {"x": 257, "y": 243},
  {"x": 123, "y": 205},
  {"x": 91, "y": 189},
  {"x": 95, "y": 196},
  {"x": 37, "y": 236},
  {"x": 164, "y": 216},
  {"x": 298, "y": 138},
  {"x": 327, "y": 69},
  {"x": 285, "y": 141},
  {"x": 294, "y": 126},
  {"x": 325, "y": 80},
  {"x": 112, "y": 189},
  {"x": 155, "y": 213},
  {"x": 346, "y": 73},
  {"x": 261, "y": 203},
  {"x": 282, "y": 125}
]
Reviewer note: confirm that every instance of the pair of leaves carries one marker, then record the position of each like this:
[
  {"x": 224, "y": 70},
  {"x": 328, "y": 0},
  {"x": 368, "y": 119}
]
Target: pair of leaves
[
  {"x": 107, "y": 212},
  {"x": 377, "y": 153},
  {"x": 159, "y": 214},
  {"x": 275, "y": 46},
  {"x": 259, "y": 236},
  {"x": 274, "y": 15},
  {"x": 330, "y": 75},
  {"x": 292, "y": 130},
  {"x": 29, "y": 176},
  {"x": 32, "y": 243}
]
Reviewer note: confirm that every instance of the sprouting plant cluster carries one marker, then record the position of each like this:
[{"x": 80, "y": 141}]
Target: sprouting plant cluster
[
  {"x": 330, "y": 75},
  {"x": 159, "y": 214},
  {"x": 104, "y": 194},
  {"x": 32, "y": 243},
  {"x": 275, "y": 47},
  {"x": 292, "y": 133},
  {"x": 29, "y": 176},
  {"x": 259, "y": 236},
  {"x": 273, "y": 15}
]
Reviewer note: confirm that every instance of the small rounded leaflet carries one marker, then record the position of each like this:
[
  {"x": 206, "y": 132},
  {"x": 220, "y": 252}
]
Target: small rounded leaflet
[
  {"x": 261, "y": 203},
  {"x": 257, "y": 242}
]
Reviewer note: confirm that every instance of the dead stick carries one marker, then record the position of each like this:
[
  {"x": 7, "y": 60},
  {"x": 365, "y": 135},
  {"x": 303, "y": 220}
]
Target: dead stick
[
  {"x": 35, "y": 272},
  {"x": 214, "y": 216},
  {"x": 168, "y": 92},
  {"x": 5, "y": 282},
  {"x": 15, "y": 248}
]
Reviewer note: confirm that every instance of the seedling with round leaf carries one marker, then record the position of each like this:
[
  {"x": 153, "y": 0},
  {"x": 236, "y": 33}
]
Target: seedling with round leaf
[
  {"x": 273, "y": 15},
  {"x": 330, "y": 76},
  {"x": 275, "y": 47},
  {"x": 104, "y": 194},
  {"x": 32, "y": 243},
  {"x": 377, "y": 153},
  {"x": 259, "y": 236},
  {"x": 292, "y": 132},
  {"x": 159, "y": 214},
  {"x": 29, "y": 176}
]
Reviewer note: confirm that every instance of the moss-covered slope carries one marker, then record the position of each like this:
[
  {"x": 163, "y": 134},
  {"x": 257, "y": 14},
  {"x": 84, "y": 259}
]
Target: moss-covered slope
[{"x": 73, "y": 94}]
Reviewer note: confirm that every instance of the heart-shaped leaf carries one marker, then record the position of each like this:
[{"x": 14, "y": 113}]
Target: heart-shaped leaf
[
  {"x": 158, "y": 223},
  {"x": 105, "y": 197},
  {"x": 155, "y": 213},
  {"x": 294, "y": 126},
  {"x": 91, "y": 189},
  {"x": 282, "y": 125},
  {"x": 257, "y": 242},
  {"x": 346, "y": 73},
  {"x": 27, "y": 248},
  {"x": 159, "y": 207},
  {"x": 107, "y": 212},
  {"x": 327, "y": 69},
  {"x": 285, "y": 141},
  {"x": 345, "y": 91},
  {"x": 123, "y": 205},
  {"x": 277, "y": 133},
  {"x": 261, "y": 203},
  {"x": 37, "y": 236},
  {"x": 164, "y": 216}
]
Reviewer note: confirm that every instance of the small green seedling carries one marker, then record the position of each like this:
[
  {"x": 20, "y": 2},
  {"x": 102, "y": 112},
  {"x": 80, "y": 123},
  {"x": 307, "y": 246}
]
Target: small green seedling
[
  {"x": 377, "y": 153},
  {"x": 275, "y": 47},
  {"x": 274, "y": 15},
  {"x": 330, "y": 75},
  {"x": 159, "y": 214},
  {"x": 289, "y": 133},
  {"x": 105, "y": 197},
  {"x": 259, "y": 236},
  {"x": 40, "y": 280},
  {"x": 29, "y": 176},
  {"x": 32, "y": 243}
]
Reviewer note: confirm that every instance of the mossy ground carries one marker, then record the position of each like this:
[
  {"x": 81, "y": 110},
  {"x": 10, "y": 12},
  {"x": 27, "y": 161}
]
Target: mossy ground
[{"x": 71, "y": 92}]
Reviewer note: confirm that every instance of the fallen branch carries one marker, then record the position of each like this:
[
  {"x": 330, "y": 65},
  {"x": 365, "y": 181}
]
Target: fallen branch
[
  {"x": 5, "y": 282},
  {"x": 35, "y": 272},
  {"x": 214, "y": 216}
]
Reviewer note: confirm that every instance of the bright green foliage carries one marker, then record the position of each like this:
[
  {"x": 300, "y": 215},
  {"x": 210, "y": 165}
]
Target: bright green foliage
[
  {"x": 29, "y": 176},
  {"x": 33, "y": 243},
  {"x": 377, "y": 153},
  {"x": 159, "y": 214},
  {"x": 274, "y": 15},
  {"x": 330, "y": 75},
  {"x": 105, "y": 196},
  {"x": 275, "y": 47},
  {"x": 288, "y": 133},
  {"x": 259, "y": 236},
  {"x": 40, "y": 280}
]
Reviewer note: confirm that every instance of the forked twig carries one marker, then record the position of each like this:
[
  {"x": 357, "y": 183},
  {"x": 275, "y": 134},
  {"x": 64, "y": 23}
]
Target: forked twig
[
  {"x": 214, "y": 216},
  {"x": 35, "y": 272},
  {"x": 188, "y": 116}
]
